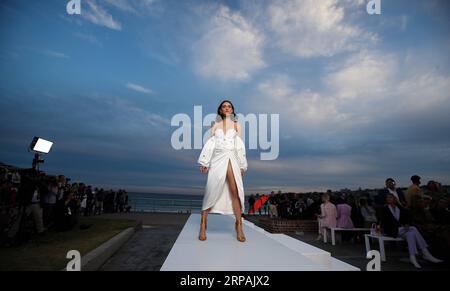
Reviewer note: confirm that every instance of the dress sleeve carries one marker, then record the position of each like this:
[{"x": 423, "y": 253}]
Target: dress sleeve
[
  {"x": 241, "y": 154},
  {"x": 206, "y": 153}
]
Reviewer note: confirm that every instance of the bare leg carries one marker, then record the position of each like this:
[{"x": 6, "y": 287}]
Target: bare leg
[
  {"x": 206, "y": 212},
  {"x": 236, "y": 202},
  {"x": 202, "y": 234}
]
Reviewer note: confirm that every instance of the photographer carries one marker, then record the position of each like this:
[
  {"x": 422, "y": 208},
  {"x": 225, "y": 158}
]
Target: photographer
[
  {"x": 29, "y": 203},
  {"x": 30, "y": 192},
  {"x": 66, "y": 212}
]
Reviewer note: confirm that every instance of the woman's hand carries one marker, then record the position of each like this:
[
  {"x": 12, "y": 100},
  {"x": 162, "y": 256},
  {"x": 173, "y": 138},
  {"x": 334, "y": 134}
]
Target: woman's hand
[
  {"x": 242, "y": 172},
  {"x": 203, "y": 169}
]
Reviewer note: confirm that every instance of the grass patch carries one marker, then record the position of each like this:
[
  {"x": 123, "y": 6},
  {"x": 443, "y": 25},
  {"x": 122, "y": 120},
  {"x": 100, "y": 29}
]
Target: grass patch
[{"x": 48, "y": 252}]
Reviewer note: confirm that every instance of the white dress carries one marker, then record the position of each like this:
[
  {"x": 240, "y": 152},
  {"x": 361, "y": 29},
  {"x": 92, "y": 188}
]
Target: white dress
[{"x": 217, "y": 151}]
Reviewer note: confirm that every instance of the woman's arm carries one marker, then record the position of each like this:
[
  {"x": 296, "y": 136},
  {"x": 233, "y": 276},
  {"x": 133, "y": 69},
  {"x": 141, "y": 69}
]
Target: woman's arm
[
  {"x": 240, "y": 148},
  {"x": 213, "y": 128},
  {"x": 206, "y": 153},
  {"x": 238, "y": 130}
]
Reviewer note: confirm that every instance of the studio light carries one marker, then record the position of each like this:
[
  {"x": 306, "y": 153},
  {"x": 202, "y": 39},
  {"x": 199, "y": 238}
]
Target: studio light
[{"x": 39, "y": 146}]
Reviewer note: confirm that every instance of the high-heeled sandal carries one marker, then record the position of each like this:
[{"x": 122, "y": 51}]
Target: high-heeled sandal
[
  {"x": 238, "y": 224},
  {"x": 202, "y": 235}
]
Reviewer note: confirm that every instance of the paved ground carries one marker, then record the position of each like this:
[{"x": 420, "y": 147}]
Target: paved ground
[{"x": 149, "y": 247}]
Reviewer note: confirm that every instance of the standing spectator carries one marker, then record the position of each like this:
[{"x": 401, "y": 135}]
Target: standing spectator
[
  {"x": 50, "y": 203},
  {"x": 99, "y": 197},
  {"x": 61, "y": 186},
  {"x": 83, "y": 205},
  {"x": 390, "y": 188},
  {"x": 117, "y": 201},
  {"x": 34, "y": 206},
  {"x": 413, "y": 191},
  {"x": 251, "y": 202},
  {"x": 122, "y": 200},
  {"x": 257, "y": 197},
  {"x": 273, "y": 213},
  {"x": 30, "y": 201},
  {"x": 66, "y": 212},
  {"x": 265, "y": 206},
  {"x": 283, "y": 204},
  {"x": 309, "y": 202}
]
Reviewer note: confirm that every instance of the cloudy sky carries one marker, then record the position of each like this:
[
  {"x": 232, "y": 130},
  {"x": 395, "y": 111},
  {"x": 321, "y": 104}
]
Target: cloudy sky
[{"x": 360, "y": 97}]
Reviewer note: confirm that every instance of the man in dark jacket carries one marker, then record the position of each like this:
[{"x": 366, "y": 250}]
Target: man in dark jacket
[
  {"x": 394, "y": 216},
  {"x": 390, "y": 188},
  {"x": 395, "y": 221}
]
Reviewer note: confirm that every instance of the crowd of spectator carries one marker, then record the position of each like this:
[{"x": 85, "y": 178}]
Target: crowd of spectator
[
  {"x": 424, "y": 210},
  {"x": 32, "y": 202}
]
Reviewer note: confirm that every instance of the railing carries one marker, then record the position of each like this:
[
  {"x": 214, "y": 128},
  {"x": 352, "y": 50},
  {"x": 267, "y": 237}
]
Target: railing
[{"x": 142, "y": 204}]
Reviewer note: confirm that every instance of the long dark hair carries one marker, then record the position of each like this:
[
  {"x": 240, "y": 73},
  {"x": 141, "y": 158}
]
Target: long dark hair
[{"x": 220, "y": 106}]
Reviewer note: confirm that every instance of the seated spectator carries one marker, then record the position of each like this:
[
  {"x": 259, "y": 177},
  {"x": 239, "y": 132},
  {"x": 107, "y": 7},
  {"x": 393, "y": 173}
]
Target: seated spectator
[
  {"x": 344, "y": 218},
  {"x": 368, "y": 213},
  {"x": 344, "y": 212},
  {"x": 396, "y": 221},
  {"x": 327, "y": 216},
  {"x": 434, "y": 192},
  {"x": 357, "y": 218},
  {"x": 441, "y": 213},
  {"x": 424, "y": 221}
]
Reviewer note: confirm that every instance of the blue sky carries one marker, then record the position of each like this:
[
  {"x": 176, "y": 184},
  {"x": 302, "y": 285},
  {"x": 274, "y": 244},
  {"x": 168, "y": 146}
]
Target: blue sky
[{"x": 360, "y": 97}]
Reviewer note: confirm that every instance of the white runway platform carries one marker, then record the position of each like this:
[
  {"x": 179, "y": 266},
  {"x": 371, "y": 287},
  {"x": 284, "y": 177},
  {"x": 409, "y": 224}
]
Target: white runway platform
[{"x": 262, "y": 251}]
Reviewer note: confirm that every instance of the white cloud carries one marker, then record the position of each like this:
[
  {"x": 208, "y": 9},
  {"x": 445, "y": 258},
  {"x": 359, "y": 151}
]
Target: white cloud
[
  {"x": 362, "y": 90},
  {"x": 133, "y": 6},
  {"x": 89, "y": 37},
  {"x": 305, "y": 106},
  {"x": 56, "y": 54},
  {"x": 404, "y": 19},
  {"x": 123, "y": 5},
  {"x": 131, "y": 118},
  {"x": 363, "y": 76},
  {"x": 311, "y": 28},
  {"x": 231, "y": 49},
  {"x": 311, "y": 166},
  {"x": 423, "y": 92},
  {"x": 139, "y": 88},
  {"x": 98, "y": 15}
]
